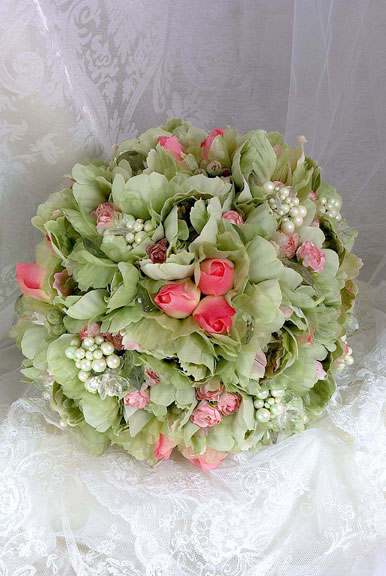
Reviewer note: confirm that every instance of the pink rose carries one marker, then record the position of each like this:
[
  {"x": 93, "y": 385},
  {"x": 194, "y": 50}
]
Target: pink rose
[
  {"x": 204, "y": 393},
  {"x": 233, "y": 217},
  {"x": 216, "y": 276},
  {"x": 164, "y": 447},
  {"x": 60, "y": 283},
  {"x": 152, "y": 377},
  {"x": 312, "y": 195},
  {"x": 172, "y": 145},
  {"x": 311, "y": 256},
  {"x": 207, "y": 143},
  {"x": 137, "y": 398},
  {"x": 229, "y": 403},
  {"x": 89, "y": 331},
  {"x": 30, "y": 278},
  {"x": 214, "y": 315},
  {"x": 259, "y": 364},
  {"x": 207, "y": 461},
  {"x": 104, "y": 213},
  {"x": 320, "y": 372},
  {"x": 287, "y": 244},
  {"x": 206, "y": 415},
  {"x": 178, "y": 300}
]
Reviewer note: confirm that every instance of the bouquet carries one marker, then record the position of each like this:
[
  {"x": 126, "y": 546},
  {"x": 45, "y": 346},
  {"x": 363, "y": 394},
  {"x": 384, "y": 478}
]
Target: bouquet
[{"x": 192, "y": 293}]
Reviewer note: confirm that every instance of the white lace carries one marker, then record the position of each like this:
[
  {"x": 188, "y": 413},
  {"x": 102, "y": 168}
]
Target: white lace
[{"x": 311, "y": 505}]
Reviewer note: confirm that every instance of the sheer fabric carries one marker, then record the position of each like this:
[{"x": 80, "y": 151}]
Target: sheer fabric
[{"x": 78, "y": 76}]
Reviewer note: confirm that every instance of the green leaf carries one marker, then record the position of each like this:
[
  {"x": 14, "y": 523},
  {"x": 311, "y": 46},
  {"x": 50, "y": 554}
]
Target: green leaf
[
  {"x": 176, "y": 267},
  {"x": 84, "y": 224},
  {"x": 115, "y": 248},
  {"x": 63, "y": 369},
  {"x": 138, "y": 420},
  {"x": 163, "y": 394},
  {"x": 135, "y": 196},
  {"x": 264, "y": 263},
  {"x": 260, "y": 222},
  {"x": 255, "y": 155},
  {"x": 94, "y": 442},
  {"x": 99, "y": 414},
  {"x": 198, "y": 215},
  {"x": 88, "y": 270},
  {"x": 89, "y": 306}
]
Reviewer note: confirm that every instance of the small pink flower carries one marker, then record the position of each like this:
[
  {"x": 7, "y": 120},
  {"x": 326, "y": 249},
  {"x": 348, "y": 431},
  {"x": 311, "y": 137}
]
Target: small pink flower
[
  {"x": 286, "y": 311},
  {"x": 216, "y": 276},
  {"x": 164, "y": 447},
  {"x": 207, "y": 143},
  {"x": 214, "y": 315},
  {"x": 129, "y": 344},
  {"x": 60, "y": 283},
  {"x": 115, "y": 339},
  {"x": 178, "y": 300},
  {"x": 259, "y": 364},
  {"x": 152, "y": 377},
  {"x": 206, "y": 415},
  {"x": 320, "y": 372},
  {"x": 172, "y": 145},
  {"x": 307, "y": 337},
  {"x": 204, "y": 393},
  {"x": 311, "y": 256},
  {"x": 234, "y": 217},
  {"x": 30, "y": 278},
  {"x": 105, "y": 213},
  {"x": 229, "y": 403},
  {"x": 207, "y": 461},
  {"x": 313, "y": 195},
  {"x": 287, "y": 243},
  {"x": 137, "y": 398},
  {"x": 89, "y": 331}
]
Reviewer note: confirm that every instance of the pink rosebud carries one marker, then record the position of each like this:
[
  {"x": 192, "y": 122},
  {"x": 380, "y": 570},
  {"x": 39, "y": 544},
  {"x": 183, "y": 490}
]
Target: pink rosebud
[
  {"x": 312, "y": 195},
  {"x": 89, "y": 331},
  {"x": 60, "y": 283},
  {"x": 207, "y": 143},
  {"x": 287, "y": 243},
  {"x": 216, "y": 276},
  {"x": 259, "y": 364},
  {"x": 172, "y": 145},
  {"x": 178, "y": 300},
  {"x": 104, "y": 213},
  {"x": 311, "y": 256},
  {"x": 152, "y": 377},
  {"x": 234, "y": 217},
  {"x": 214, "y": 315},
  {"x": 163, "y": 448},
  {"x": 207, "y": 461},
  {"x": 320, "y": 372},
  {"x": 206, "y": 415},
  {"x": 204, "y": 393},
  {"x": 229, "y": 403},
  {"x": 137, "y": 398},
  {"x": 30, "y": 278}
]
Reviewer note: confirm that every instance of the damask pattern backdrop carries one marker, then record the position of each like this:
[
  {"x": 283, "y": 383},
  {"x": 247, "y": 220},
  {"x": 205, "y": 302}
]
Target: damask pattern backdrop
[{"x": 77, "y": 77}]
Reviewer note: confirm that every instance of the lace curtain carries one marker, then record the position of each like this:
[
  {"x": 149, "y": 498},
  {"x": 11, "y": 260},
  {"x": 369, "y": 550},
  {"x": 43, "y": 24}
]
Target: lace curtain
[{"x": 78, "y": 76}]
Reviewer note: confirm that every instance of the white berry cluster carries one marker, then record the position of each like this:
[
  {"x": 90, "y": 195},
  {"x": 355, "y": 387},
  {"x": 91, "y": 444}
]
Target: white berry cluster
[
  {"x": 284, "y": 202},
  {"x": 134, "y": 230},
  {"x": 330, "y": 207},
  {"x": 269, "y": 404},
  {"x": 92, "y": 356}
]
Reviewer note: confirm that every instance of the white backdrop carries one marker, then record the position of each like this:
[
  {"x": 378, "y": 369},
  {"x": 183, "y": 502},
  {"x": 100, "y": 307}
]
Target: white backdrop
[{"x": 78, "y": 76}]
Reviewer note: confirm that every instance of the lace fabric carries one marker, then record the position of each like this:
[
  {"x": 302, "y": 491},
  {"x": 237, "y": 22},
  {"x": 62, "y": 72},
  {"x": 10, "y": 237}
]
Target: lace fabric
[{"x": 311, "y": 505}]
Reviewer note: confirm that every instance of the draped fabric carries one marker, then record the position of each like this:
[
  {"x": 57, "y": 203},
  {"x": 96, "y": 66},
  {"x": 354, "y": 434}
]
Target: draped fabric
[{"x": 77, "y": 77}]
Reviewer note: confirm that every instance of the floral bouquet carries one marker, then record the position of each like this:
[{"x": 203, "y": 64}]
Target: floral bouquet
[{"x": 193, "y": 293}]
